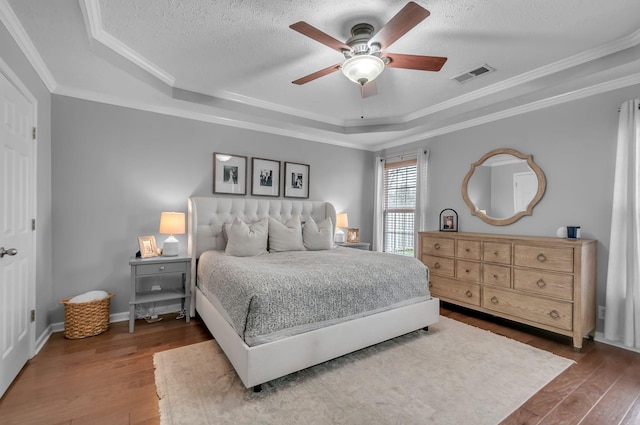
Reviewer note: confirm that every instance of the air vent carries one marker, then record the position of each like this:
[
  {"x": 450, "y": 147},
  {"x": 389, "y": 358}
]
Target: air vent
[{"x": 470, "y": 75}]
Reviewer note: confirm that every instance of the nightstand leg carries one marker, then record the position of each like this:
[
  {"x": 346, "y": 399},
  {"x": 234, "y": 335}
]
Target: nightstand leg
[{"x": 132, "y": 317}]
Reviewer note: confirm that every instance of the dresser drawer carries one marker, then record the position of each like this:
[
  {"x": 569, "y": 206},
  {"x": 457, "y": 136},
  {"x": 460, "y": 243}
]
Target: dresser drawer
[
  {"x": 543, "y": 257},
  {"x": 469, "y": 250},
  {"x": 550, "y": 284},
  {"x": 439, "y": 266},
  {"x": 468, "y": 270},
  {"x": 493, "y": 274},
  {"x": 438, "y": 246},
  {"x": 496, "y": 252},
  {"x": 540, "y": 310},
  {"x": 449, "y": 289},
  {"x": 161, "y": 268}
]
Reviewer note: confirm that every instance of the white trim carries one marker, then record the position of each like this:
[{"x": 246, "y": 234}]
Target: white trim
[
  {"x": 600, "y": 338},
  {"x": 93, "y": 21},
  {"x": 15, "y": 28}
]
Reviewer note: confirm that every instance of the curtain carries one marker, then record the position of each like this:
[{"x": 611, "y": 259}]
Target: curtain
[
  {"x": 420, "y": 221},
  {"x": 622, "y": 314},
  {"x": 378, "y": 205}
]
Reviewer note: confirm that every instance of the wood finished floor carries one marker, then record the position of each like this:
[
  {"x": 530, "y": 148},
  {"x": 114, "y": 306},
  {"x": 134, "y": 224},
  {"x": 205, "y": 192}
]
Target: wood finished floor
[{"x": 109, "y": 379}]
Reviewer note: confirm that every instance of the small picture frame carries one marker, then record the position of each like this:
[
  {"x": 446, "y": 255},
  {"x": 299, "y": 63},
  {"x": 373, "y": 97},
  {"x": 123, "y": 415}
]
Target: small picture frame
[
  {"x": 229, "y": 174},
  {"x": 448, "y": 220},
  {"x": 265, "y": 177},
  {"x": 353, "y": 235},
  {"x": 296, "y": 180},
  {"x": 147, "y": 246}
]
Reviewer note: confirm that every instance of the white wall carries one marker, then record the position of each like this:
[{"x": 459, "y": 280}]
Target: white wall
[
  {"x": 115, "y": 169},
  {"x": 573, "y": 143},
  {"x": 19, "y": 65}
]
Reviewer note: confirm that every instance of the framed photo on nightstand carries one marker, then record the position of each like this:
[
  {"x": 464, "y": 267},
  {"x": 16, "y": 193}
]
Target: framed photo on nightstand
[
  {"x": 147, "y": 246},
  {"x": 353, "y": 235}
]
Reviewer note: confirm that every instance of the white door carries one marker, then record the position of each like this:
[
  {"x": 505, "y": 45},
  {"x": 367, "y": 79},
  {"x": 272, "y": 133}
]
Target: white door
[
  {"x": 17, "y": 281},
  {"x": 525, "y": 186}
]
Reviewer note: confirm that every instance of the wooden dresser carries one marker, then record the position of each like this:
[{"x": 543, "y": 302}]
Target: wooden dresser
[{"x": 545, "y": 282}]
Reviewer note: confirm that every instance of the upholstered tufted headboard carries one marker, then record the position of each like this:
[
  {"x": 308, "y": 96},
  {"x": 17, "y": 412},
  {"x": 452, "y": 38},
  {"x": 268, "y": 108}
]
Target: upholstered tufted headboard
[{"x": 207, "y": 215}]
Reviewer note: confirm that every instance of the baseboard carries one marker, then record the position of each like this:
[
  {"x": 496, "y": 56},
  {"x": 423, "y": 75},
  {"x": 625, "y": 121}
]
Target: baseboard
[{"x": 600, "y": 338}]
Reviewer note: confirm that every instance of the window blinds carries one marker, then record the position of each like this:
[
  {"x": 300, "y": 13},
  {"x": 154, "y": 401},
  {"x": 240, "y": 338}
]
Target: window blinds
[{"x": 399, "y": 206}]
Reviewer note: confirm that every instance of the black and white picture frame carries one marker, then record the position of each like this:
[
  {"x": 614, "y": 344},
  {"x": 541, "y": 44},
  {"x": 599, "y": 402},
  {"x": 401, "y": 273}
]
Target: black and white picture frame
[
  {"x": 296, "y": 180},
  {"x": 265, "y": 177},
  {"x": 229, "y": 174},
  {"x": 448, "y": 220}
]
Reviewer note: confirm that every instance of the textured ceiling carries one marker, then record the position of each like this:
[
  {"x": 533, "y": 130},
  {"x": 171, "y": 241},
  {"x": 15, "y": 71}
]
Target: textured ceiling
[{"x": 233, "y": 61}]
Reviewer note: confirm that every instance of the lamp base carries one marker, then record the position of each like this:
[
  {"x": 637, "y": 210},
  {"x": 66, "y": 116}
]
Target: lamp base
[
  {"x": 340, "y": 236},
  {"x": 170, "y": 247}
]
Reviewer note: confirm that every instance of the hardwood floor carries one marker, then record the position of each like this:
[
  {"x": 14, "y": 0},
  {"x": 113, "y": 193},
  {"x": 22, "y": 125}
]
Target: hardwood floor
[{"x": 109, "y": 378}]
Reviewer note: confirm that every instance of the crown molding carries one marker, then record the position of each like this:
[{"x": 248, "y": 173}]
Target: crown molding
[
  {"x": 93, "y": 22},
  {"x": 15, "y": 28}
]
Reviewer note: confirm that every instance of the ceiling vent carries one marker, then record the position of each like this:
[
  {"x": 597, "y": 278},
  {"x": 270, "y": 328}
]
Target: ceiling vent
[{"x": 470, "y": 75}]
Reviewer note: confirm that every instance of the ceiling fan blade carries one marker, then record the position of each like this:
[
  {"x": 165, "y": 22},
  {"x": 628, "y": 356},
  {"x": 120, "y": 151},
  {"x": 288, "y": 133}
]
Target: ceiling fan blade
[
  {"x": 317, "y": 74},
  {"x": 410, "y": 16},
  {"x": 319, "y": 36},
  {"x": 369, "y": 89},
  {"x": 420, "y": 63}
]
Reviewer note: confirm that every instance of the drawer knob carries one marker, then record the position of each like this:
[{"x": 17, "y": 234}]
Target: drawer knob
[
  {"x": 436, "y": 266},
  {"x": 554, "y": 314},
  {"x": 496, "y": 253},
  {"x": 541, "y": 283},
  {"x": 541, "y": 258},
  {"x": 467, "y": 271},
  {"x": 495, "y": 276},
  {"x": 467, "y": 249},
  {"x": 430, "y": 285},
  {"x": 161, "y": 268},
  {"x": 494, "y": 300},
  {"x": 469, "y": 294},
  {"x": 437, "y": 246}
]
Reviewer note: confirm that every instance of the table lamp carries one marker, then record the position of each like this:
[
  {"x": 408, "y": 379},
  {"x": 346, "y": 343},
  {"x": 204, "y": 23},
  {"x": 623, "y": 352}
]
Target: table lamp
[
  {"x": 342, "y": 221},
  {"x": 171, "y": 223}
]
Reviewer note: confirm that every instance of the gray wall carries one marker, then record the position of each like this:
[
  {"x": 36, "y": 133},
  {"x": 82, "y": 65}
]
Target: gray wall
[
  {"x": 115, "y": 169},
  {"x": 19, "y": 65},
  {"x": 573, "y": 143}
]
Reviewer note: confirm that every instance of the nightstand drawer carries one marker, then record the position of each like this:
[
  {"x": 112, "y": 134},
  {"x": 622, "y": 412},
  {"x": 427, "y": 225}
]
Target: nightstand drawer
[
  {"x": 440, "y": 266},
  {"x": 144, "y": 269}
]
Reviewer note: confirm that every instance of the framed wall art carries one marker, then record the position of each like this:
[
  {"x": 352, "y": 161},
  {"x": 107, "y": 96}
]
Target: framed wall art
[
  {"x": 229, "y": 174},
  {"x": 265, "y": 177},
  {"x": 296, "y": 180},
  {"x": 147, "y": 246}
]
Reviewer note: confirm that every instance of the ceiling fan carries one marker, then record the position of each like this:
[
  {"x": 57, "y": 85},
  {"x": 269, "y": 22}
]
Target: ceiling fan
[{"x": 365, "y": 51}]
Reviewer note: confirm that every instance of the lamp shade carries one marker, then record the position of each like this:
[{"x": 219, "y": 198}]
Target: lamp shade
[
  {"x": 342, "y": 220},
  {"x": 362, "y": 68},
  {"x": 171, "y": 223}
]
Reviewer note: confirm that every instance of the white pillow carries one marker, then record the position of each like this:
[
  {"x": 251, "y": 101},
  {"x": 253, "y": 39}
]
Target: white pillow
[
  {"x": 318, "y": 236},
  {"x": 246, "y": 240},
  {"x": 285, "y": 237},
  {"x": 89, "y": 296}
]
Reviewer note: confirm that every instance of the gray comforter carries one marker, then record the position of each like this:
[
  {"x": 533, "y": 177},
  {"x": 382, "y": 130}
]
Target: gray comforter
[{"x": 281, "y": 294}]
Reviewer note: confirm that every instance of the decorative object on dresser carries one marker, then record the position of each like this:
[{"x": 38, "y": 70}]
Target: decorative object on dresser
[
  {"x": 296, "y": 180},
  {"x": 159, "y": 268},
  {"x": 503, "y": 186},
  {"x": 171, "y": 223},
  {"x": 265, "y": 177},
  {"x": 545, "y": 282},
  {"x": 147, "y": 246},
  {"x": 342, "y": 222},
  {"x": 229, "y": 174},
  {"x": 448, "y": 220}
]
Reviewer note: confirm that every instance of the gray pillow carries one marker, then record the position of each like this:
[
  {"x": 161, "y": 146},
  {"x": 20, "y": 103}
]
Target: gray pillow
[
  {"x": 285, "y": 237},
  {"x": 246, "y": 240},
  {"x": 318, "y": 236}
]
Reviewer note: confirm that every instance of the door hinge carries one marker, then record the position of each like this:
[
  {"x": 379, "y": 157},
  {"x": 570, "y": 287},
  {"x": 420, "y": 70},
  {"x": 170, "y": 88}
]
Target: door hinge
[
  {"x": 33, "y": 315},
  {"x": 33, "y": 133},
  {"x": 33, "y": 224}
]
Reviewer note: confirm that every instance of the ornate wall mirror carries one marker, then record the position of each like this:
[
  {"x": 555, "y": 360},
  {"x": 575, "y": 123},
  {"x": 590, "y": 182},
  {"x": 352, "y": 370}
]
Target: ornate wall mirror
[{"x": 503, "y": 186}]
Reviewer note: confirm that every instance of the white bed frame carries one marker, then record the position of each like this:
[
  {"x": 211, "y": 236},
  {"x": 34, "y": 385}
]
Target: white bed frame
[{"x": 265, "y": 362}]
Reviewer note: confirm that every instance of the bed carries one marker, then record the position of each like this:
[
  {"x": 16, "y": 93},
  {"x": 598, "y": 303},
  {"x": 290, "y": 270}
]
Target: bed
[{"x": 297, "y": 334}]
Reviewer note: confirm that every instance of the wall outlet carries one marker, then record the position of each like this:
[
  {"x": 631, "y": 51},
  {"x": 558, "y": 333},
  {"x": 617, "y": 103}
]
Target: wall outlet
[{"x": 601, "y": 312}]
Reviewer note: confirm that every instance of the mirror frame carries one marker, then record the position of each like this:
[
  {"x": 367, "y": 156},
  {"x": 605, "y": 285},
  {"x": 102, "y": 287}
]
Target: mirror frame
[{"x": 542, "y": 185}]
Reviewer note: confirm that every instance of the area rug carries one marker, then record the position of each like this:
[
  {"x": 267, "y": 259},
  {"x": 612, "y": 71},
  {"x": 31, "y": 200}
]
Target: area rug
[{"x": 453, "y": 374}]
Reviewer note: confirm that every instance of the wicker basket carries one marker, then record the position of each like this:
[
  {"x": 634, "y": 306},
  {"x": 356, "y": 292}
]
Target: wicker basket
[{"x": 86, "y": 319}]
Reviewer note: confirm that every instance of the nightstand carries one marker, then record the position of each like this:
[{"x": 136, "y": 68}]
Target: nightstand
[
  {"x": 357, "y": 245},
  {"x": 158, "y": 267}
]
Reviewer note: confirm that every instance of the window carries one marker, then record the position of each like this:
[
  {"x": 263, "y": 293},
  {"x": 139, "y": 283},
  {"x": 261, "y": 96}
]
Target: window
[{"x": 399, "y": 207}]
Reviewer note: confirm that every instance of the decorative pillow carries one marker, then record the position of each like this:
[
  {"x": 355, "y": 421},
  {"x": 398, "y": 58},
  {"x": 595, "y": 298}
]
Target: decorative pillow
[
  {"x": 318, "y": 236},
  {"x": 285, "y": 237},
  {"x": 246, "y": 240}
]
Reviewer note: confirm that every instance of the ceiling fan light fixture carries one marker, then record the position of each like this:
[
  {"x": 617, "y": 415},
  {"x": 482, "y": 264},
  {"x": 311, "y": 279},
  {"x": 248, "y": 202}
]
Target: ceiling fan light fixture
[{"x": 362, "y": 69}]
